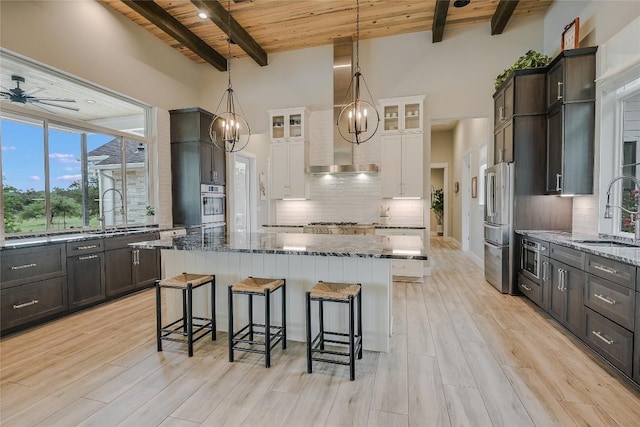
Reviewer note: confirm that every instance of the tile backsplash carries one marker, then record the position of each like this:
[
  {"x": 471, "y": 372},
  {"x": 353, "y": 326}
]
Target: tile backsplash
[{"x": 345, "y": 197}]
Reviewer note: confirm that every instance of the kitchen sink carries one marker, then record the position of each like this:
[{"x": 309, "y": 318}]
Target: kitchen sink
[{"x": 611, "y": 243}]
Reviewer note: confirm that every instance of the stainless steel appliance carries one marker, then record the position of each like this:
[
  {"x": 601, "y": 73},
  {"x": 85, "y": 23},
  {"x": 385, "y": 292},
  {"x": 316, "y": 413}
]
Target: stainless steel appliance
[
  {"x": 338, "y": 228},
  {"x": 212, "y": 204},
  {"x": 213, "y": 233},
  {"x": 531, "y": 253},
  {"x": 498, "y": 221}
]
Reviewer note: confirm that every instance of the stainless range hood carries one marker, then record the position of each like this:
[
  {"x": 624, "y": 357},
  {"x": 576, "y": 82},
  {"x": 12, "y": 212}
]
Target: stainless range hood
[{"x": 342, "y": 150}]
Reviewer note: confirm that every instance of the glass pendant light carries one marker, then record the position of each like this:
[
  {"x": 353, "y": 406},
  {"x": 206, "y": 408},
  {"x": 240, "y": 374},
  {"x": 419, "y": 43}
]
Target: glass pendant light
[
  {"x": 361, "y": 115},
  {"x": 229, "y": 129}
]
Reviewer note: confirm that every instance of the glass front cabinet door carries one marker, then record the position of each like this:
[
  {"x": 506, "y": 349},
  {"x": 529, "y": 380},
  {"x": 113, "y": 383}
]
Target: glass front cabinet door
[
  {"x": 402, "y": 114},
  {"x": 288, "y": 125}
]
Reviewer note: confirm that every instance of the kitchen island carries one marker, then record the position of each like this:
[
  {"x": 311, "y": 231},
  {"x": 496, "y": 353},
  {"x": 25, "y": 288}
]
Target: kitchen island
[{"x": 303, "y": 260}]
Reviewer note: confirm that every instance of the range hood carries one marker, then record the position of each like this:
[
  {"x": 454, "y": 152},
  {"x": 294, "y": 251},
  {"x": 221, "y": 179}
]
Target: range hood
[{"x": 342, "y": 150}]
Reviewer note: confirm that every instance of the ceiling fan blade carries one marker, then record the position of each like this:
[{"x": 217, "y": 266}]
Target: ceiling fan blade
[
  {"x": 39, "y": 101},
  {"x": 32, "y": 92},
  {"x": 51, "y": 99}
]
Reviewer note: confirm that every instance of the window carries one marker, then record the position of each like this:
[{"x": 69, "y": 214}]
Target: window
[{"x": 630, "y": 160}]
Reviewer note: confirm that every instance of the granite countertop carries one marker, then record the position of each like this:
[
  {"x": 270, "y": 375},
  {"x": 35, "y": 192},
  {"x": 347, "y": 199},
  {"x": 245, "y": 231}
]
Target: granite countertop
[
  {"x": 371, "y": 246},
  {"x": 375, "y": 225},
  {"x": 629, "y": 255},
  {"x": 44, "y": 239}
]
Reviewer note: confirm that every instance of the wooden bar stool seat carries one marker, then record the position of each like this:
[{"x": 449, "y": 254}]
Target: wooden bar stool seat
[
  {"x": 244, "y": 339},
  {"x": 190, "y": 328},
  {"x": 344, "y": 293}
]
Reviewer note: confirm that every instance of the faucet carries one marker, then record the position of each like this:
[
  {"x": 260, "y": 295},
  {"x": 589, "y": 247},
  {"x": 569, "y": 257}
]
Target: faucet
[
  {"x": 608, "y": 211},
  {"x": 102, "y": 218}
]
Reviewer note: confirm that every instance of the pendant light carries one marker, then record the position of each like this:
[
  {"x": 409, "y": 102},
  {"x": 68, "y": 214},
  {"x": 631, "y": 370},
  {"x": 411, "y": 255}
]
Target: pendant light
[
  {"x": 359, "y": 117},
  {"x": 229, "y": 129}
]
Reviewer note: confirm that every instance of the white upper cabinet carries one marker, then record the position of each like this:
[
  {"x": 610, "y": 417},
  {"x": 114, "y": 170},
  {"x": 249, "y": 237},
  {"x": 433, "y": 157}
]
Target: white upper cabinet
[
  {"x": 402, "y": 115},
  {"x": 289, "y": 124},
  {"x": 401, "y": 168},
  {"x": 288, "y": 178}
]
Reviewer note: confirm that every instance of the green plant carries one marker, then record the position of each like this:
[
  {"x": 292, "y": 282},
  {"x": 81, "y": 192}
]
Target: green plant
[
  {"x": 531, "y": 59},
  {"x": 150, "y": 210},
  {"x": 437, "y": 205}
]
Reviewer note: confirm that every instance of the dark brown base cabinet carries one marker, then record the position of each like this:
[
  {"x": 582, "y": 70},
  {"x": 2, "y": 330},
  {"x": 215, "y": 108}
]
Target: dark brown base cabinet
[
  {"x": 566, "y": 302},
  {"x": 85, "y": 279},
  {"x": 596, "y": 298},
  {"x": 24, "y": 304},
  {"x": 129, "y": 269}
]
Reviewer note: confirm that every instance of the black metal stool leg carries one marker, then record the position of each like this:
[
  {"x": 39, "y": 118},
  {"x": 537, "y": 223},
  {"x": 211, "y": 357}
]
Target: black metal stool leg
[
  {"x": 360, "y": 321},
  {"x": 184, "y": 311},
  {"x": 250, "y": 317},
  {"x": 321, "y": 315},
  {"x": 284, "y": 314},
  {"x": 190, "y": 318},
  {"x": 352, "y": 355},
  {"x": 212, "y": 288},
  {"x": 230, "y": 326},
  {"x": 308, "y": 313},
  {"x": 267, "y": 328},
  {"x": 158, "y": 315}
]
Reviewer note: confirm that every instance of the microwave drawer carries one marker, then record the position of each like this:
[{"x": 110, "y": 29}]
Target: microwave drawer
[
  {"x": 612, "y": 341},
  {"x": 610, "y": 300}
]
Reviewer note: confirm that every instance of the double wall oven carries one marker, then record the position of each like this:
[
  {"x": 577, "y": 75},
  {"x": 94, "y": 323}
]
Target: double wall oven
[{"x": 212, "y": 211}]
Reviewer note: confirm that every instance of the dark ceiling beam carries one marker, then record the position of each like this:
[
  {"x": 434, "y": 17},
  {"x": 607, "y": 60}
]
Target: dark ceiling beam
[
  {"x": 170, "y": 25},
  {"x": 503, "y": 14},
  {"x": 439, "y": 19},
  {"x": 219, "y": 16}
]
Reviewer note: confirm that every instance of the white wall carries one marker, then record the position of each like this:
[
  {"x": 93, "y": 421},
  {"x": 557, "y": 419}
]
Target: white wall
[{"x": 469, "y": 136}]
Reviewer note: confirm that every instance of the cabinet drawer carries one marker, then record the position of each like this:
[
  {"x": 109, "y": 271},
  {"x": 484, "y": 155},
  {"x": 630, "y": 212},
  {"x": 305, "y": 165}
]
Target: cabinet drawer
[
  {"x": 22, "y": 304},
  {"x": 85, "y": 247},
  {"x": 123, "y": 242},
  {"x": 569, "y": 256},
  {"x": 617, "y": 272},
  {"x": 612, "y": 341},
  {"x": 26, "y": 265},
  {"x": 530, "y": 289},
  {"x": 610, "y": 300},
  {"x": 403, "y": 267}
]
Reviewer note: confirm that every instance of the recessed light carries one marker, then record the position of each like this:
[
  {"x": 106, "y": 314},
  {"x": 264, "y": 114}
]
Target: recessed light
[
  {"x": 90, "y": 101},
  {"x": 461, "y": 3},
  {"x": 202, "y": 15}
]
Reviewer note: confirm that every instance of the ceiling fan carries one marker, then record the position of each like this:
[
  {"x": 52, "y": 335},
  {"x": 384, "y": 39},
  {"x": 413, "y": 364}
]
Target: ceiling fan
[{"x": 17, "y": 94}]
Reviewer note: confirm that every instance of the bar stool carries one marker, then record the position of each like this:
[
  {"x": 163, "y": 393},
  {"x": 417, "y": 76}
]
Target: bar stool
[
  {"x": 344, "y": 293},
  {"x": 186, "y": 282},
  {"x": 244, "y": 339}
]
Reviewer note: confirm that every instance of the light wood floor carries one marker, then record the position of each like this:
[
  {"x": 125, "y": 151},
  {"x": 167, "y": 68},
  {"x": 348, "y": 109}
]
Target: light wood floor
[{"x": 463, "y": 355}]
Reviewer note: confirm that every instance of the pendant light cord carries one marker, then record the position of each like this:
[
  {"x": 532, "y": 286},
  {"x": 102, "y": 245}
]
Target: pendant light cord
[
  {"x": 357, "y": 36},
  {"x": 229, "y": 41}
]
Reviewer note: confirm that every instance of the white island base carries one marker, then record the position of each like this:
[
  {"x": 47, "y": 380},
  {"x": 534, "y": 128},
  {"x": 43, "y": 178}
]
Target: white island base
[{"x": 302, "y": 272}]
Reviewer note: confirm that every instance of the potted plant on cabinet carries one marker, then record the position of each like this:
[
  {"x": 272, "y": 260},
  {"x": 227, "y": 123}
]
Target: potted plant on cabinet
[{"x": 437, "y": 206}]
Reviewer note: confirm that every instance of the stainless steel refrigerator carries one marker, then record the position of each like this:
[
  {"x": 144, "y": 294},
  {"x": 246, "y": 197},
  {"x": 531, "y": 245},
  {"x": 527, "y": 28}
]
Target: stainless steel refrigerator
[{"x": 498, "y": 226}]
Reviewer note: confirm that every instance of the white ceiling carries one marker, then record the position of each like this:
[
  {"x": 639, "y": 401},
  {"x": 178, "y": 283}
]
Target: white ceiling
[{"x": 41, "y": 81}]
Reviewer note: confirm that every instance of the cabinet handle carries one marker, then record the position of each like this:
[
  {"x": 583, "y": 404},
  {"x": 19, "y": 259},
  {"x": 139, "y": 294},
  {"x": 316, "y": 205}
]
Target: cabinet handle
[
  {"x": 82, "y": 258},
  {"x": 525, "y": 287},
  {"x": 215, "y": 176},
  {"x": 545, "y": 264},
  {"x": 559, "y": 90},
  {"x": 501, "y": 109},
  {"x": 605, "y": 269},
  {"x": 521, "y": 257},
  {"x": 84, "y": 248},
  {"x": 558, "y": 177},
  {"x": 25, "y": 304},
  {"x": 20, "y": 267},
  {"x": 605, "y": 299},
  {"x": 602, "y": 337},
  {"x": 500, "y": 155}
]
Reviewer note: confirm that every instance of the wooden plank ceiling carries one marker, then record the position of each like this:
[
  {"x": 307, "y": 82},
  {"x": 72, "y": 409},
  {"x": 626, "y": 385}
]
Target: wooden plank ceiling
[{"x": 267, "y": 26}]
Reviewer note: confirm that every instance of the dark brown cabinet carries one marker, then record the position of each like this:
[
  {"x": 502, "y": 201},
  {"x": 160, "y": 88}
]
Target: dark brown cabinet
[
  {"x": 20, "y": 305},
  {"x": 195, "y": 160},
  {"x": 85, "y": 272},
  {"x": 521, "y": 95},
  {"x": 571, "y": 122},
  {"x": 128, "y": 269},
  {"x": 26, "y": 265},
  {"x": 566, "y": 303},
  {"x": 612, "y": 341},
  {"x": 636, "y": 352}
]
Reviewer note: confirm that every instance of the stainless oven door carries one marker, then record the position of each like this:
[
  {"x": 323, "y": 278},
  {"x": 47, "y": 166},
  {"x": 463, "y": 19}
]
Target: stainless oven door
[
  {"x": 530, "y": 260},
  {"x": 212, "y": 207}
]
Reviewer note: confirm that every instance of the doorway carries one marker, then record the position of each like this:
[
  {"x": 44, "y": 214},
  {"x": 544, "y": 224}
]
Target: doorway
[
  {"x": 242, "y": 203},
  {"x": 440, "y": 181}
]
